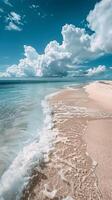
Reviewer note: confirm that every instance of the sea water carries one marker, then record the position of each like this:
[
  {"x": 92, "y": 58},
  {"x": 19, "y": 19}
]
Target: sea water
[{"x": 24, "y": 135}]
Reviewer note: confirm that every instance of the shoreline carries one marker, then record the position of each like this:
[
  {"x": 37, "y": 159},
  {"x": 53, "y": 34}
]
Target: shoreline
[{"x": 70, "y": 172}]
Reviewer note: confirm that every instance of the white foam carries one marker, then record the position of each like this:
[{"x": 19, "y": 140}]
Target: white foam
[
  {"x": 61, "y": 173},
  {"x": 17, "y": 176},
  {"x": 48, "y": 97},
  {"x": 49, "y": 194},
  {"x": 68, "y": 198}
]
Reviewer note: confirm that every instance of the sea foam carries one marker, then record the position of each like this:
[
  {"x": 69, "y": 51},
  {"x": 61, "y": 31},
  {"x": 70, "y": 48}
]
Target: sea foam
[{"x": 14, "y": 180}]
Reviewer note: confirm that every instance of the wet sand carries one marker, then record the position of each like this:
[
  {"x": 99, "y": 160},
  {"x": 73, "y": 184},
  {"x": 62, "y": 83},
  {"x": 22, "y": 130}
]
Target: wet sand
[{"x": 70, "y": 173}]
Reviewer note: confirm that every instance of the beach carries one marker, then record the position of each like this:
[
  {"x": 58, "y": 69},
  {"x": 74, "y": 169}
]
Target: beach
[
  {"x": 56, "y": 100},
  {"x": 78, "y": 166}
]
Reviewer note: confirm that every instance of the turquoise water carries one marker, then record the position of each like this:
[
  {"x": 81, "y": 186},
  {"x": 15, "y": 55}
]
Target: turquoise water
[{"x": 22, "y": 141}]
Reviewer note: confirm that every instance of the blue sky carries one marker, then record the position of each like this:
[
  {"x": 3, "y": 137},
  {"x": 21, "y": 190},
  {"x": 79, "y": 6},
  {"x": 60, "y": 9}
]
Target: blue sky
[{"x": 37, "y": 22}]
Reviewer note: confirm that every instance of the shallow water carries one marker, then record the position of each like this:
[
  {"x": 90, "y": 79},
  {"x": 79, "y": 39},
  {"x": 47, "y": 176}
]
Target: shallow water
[{"x": 21, "y": 135}]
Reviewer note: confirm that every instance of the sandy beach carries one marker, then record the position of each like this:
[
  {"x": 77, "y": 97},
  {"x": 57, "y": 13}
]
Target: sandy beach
[
  {"x": 79, "y": 166},
  {"x": 99, "y": 137}
]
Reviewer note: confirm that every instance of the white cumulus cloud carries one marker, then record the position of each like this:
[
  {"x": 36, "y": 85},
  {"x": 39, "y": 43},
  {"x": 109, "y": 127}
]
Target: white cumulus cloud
[
  {"x": 8, "y": 3},
  {"x": 1, "y": 10},
  {"x": 34, "y": 6},
  {"x": 96, "y": 70},
  {"x": 14, "y": 22},
  {"x": 77, "y": 46},
  {"x": 100, "y": 21},
  {"x": 12, "y": 26}
]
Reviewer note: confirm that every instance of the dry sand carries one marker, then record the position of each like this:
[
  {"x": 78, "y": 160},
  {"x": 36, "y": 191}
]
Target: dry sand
[
  {"x": 81, "y": 121},
  {"x": 102, "y": 93},
  {"x": 99, "y": 145},
  {"x": 99, "y": 137}
]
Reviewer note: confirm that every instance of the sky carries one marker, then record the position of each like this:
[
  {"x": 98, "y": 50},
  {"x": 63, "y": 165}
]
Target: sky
[{"x": 52, "y": 37}]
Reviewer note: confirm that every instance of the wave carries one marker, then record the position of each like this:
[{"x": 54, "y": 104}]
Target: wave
[{"x": 14, "y": 180}]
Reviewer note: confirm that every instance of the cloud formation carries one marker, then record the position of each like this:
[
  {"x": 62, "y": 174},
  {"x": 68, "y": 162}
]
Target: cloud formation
[
  {"x": 96, "y": 70},
  {"x": 8, "y": 3},
  {"x": 100, "y": 21},
  {"x": 34, "y": 6},
  {"x": 1, "y": 10},
  {"x": 14, "y": 22},
  {"x": 77, "y": 46}
]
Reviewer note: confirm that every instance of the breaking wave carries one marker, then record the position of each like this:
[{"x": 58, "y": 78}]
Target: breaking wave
[{"x": 17, "y": 176}]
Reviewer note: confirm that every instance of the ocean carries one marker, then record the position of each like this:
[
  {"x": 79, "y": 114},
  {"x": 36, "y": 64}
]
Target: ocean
[
  {"x": 25, "y": 121},
  {"x": 24, "y": 133}
]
